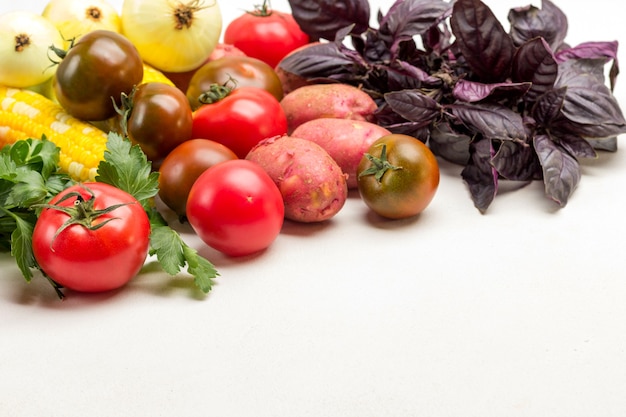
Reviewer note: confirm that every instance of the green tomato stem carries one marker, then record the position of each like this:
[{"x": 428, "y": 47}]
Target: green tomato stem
[{"x": 380, "y": 165}]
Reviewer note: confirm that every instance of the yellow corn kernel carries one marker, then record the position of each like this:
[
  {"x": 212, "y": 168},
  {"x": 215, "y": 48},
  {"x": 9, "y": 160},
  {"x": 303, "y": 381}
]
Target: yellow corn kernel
[
  {"x": 25, "y": 114},
  {"x": 152, "y": 75}
]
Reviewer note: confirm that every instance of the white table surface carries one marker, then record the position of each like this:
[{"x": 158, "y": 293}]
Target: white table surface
[{"x": 518, "y": 312}]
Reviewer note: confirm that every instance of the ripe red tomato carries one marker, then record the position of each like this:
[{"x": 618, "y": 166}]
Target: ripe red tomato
[
  {"x": 236, "y": 208},
  {"x": 101, "y": 251},
  {"x": 398, "y": 176},
  {"x": 182, "y": 167},
  {"x": 241, "y": 119},
  {"x": 266, "y": 34}
]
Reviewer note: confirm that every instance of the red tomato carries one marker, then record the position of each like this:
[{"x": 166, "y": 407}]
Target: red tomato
[
  {"x": 236, "y": 208},
  {"x": 265, "y": 34},
  {"x": 240, "y": 120},
  {"x": 101, "y": 251}
]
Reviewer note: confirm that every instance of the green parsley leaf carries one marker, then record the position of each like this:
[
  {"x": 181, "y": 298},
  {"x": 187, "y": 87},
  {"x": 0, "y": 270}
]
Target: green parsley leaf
[
  {"x": 22, "y": 245},
  {"x": 200, "y": 268},
  {"x": 126, "y": 167},
  {"x": 40, "y": 156},
  {"x": 29, "y": 175},
  {"x": 173, "y": 254}
]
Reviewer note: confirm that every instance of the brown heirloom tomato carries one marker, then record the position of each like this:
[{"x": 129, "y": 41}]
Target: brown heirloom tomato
[
  {"x": 95, "y": 71},
  {"x": 183, "y": 166},
  {"x": 234, "y": 71},
  {"x": 398, "y": 176},
  {"x": 158, "y": 118}
]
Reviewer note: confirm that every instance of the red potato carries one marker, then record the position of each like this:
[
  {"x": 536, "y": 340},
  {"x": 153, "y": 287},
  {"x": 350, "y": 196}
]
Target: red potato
[
  {"x": 315, "y": 101},
  {"x": 313, "y": 186},
  {"x": 345, "y": 141}
]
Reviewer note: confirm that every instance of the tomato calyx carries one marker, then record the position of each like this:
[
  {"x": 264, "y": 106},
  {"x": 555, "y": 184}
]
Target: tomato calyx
[
  {"x": 262, "y": 10},
  {"x": 380, "y": 165},
  {"x": 217, "y": 92},
  {"x": 125, "y": 109},
  {"x": 60, "y": 53},
  {"x": 82, "y": 212}
]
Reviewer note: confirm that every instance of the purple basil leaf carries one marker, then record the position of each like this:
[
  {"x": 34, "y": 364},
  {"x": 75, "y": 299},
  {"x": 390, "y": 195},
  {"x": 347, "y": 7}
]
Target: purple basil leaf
[
  {"x": 534, "y": 62},
  {"x": 577, "y": 146},
  {"x": 408, "y": 18},
  {"x": 448, "y": 144},
  {"x": 588, "y": 100},
  {"x": 561, "y": 171},
  {"x": 480, "y": 176},
  {"x": 608, "y": 144},
  {"x": 601, "y": 131},
  {"x": 413, "y": 105},
  {"x": 548, "y": 106},
  {"x": 516, "y": 161},
  {"x": 321, "y": 19},
  {"x": 482, "y": 40},
  {"x": 437, "y": 39},
  {"x": 594, "y": 50},
  {"x": 376, "y": 48},
  {"x": 411, "y": 71},
  {"x": 589, "y": 50},
  {"x": 323, "y": 60},
  {"x": 473, "y": 91},
  {"x": 395, "y": 123},
  {"x": 549, "y": 23},
  {"x": 493, "y": 121}
]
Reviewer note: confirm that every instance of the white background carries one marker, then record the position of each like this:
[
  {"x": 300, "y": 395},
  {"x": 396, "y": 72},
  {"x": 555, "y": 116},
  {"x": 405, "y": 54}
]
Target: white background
[{"x": 517, "y": 312}]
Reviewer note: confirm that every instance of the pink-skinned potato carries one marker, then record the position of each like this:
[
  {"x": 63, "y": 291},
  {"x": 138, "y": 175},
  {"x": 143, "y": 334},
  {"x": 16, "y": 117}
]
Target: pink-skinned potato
[
  {"x": 345, "y": 141},
  {"x": 312, "y": 185},
  {"x": 337, "y": 101}
]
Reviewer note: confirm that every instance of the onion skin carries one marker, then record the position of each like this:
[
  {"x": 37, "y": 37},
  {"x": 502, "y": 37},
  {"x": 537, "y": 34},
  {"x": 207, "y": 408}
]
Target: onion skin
[
  {"x": 75, "y": 18},
  {"x": 24, "y": 41},
  {"x": 167, "y": 41}
]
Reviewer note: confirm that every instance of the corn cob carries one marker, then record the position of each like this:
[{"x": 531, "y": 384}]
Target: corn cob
[{"x": 26, "y": 114}]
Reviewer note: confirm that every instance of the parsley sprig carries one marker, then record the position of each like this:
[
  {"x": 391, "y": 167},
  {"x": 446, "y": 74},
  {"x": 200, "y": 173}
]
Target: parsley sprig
[{"x": 30, "y": 176}]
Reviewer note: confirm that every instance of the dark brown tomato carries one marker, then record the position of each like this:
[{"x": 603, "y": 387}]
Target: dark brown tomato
[
  {"x": 183, "y": 166},
  {"x": 398, "y": 176},
  {"x": 234, "y": 71},
  {"x": 182, "y": 79},
  {"x": 97, "y": 69},
  {"x": 159, "y": 120}
]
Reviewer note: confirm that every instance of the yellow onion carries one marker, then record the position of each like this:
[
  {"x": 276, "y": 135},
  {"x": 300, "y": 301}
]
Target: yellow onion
[
  {"x": 75, "y": 18},
  {"x": 25, "y": 38},
  {"x": 172, "y": 35}
]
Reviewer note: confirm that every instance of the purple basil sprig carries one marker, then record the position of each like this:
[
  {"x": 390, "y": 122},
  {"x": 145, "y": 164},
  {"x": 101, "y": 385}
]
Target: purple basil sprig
[{"x": 521, "y": 105}]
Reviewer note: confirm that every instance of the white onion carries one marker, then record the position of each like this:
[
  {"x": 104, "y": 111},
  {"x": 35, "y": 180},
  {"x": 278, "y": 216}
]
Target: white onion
[
  {"x": 25, "y": 38},
  {"x": 166, "y": 39},
  {"x": 75, "y": 18}
]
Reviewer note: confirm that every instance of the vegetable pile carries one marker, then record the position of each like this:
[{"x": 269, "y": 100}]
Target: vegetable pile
[
  {"x": 30, "y": 178},
  {"x": 276, "y": 125},
  {"x": 521, "y": 105}
]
